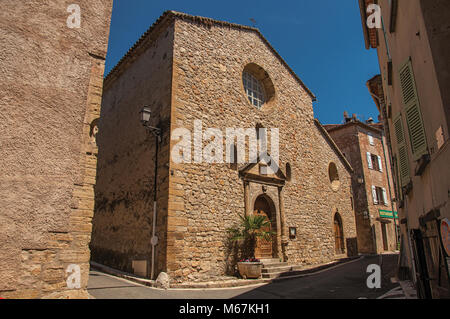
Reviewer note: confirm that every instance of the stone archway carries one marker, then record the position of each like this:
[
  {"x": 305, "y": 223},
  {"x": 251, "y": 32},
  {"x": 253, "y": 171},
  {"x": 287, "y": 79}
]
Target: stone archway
[{"x": 264, "y": 206}]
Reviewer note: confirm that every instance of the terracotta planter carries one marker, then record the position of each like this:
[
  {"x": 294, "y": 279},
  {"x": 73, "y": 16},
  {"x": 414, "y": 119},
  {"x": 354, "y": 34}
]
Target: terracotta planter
[{"x": 250, "y": 270}]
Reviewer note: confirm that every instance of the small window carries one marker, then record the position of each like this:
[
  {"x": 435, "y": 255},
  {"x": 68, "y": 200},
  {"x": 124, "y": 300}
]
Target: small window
[
  {"x": 254, "y": 90},
  {"x": 371, "y": 140},
  {"x": 233, "y": 158},
  {"x": 394, "y": 8},
  {"x": 374, "y": 162},
  {"x": 379, "y": 195},
  {"x": 288, "y": 172}
]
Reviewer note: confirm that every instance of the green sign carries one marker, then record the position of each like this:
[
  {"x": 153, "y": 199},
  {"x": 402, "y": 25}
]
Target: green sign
[{"x": 387, "y": 214}]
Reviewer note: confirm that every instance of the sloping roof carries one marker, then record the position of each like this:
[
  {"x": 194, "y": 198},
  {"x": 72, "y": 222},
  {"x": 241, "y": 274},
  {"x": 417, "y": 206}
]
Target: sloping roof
[
  {"x": 164, "y": 20},
  {"x": 376, "y": 127},
  {"x": 333, "y": 145}
]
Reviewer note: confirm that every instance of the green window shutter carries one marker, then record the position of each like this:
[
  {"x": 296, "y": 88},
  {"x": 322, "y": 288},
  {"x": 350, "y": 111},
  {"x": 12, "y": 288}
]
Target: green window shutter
[
  {"x": 416, "y": 131},
  {"x": 397, "y": 179},
  {"x": 398, "y": 128},
  {"x": 403, "y": 160},
  {"x": 413, "y": 116},
  {"x": 403, "y": 165}
]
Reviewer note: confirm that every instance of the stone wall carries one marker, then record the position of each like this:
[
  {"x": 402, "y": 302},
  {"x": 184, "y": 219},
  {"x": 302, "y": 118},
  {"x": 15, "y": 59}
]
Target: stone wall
[
  {"x": 122, "y": 225},
  {"x": 51, "y": 90}
]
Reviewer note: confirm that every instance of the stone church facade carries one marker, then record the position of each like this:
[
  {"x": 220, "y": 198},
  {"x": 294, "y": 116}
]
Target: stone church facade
[{"x": 189, "y": 69}]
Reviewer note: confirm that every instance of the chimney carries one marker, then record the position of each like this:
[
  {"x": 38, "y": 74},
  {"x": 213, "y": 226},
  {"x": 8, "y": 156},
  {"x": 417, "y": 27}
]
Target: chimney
[
  {"x": 346, "y": 118},
  {"x": 354, "y": 118}
]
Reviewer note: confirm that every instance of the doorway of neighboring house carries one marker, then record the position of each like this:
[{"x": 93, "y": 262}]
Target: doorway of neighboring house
[
  {"x": 422, "y": 276},
  {"x": 264, "y": 248},
  {"x": 338, "y": 235},
  {"x": 385, "y": 238}
]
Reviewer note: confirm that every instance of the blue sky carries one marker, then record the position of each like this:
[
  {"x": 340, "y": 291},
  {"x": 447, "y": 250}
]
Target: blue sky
[{"x": 322, "y": 41}]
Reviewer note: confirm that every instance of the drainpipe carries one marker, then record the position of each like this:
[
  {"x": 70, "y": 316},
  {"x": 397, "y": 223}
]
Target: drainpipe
[
  {"x": 145, "y": 119},
  {"x": 390, "y": 197}
]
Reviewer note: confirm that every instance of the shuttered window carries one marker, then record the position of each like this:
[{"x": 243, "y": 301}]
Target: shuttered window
[
  {"x": 369, "y": 161},
  {"x": 374, "y": 195},
  {"x": 385, "y": 199},
  {"x": 379, "y": 195},
  {"x": 403, "y": 161},
  {"x": 371, "y": 140},
  {"x": 412, "y": 112},
  {"x": 380, "y": 164}
]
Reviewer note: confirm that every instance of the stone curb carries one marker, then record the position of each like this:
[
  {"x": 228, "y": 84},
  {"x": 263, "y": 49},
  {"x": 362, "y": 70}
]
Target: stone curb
[
  {"x": 238, "y": 283},
  {"x": 121, "y": 274}
]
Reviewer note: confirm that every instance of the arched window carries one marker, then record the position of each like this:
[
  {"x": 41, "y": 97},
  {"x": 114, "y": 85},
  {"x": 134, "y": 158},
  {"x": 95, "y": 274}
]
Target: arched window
[
  {"x": 233, "y": 159},
  {"x": 334, "y": 176},
  {"x": 288, "y": 172},
  {"x": 258, "y": 87}
]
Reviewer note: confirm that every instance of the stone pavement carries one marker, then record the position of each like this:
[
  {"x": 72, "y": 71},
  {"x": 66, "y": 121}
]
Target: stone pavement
[
  {"x": 229, "y": 282},
  {"x": 345, "y": 281},
  {"x": 405, "y": 290}
]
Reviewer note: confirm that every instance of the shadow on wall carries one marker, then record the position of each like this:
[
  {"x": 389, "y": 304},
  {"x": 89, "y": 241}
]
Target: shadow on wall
[{"x": 352, "y": 247}]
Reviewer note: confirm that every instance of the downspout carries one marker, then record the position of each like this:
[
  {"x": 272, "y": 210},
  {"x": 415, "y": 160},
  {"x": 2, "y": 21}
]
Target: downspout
[
  {"x": 387, "y": 175},
  {"x": 154, "y": 240}
]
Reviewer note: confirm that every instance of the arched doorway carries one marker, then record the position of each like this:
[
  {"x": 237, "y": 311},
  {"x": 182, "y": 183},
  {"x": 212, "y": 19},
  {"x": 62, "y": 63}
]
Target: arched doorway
[
  {"x": 264, "y": 207},
  {"x": 338, "y": 234}
]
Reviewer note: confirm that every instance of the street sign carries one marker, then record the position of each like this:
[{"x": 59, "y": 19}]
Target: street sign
[{"x": 387, "y": 214}]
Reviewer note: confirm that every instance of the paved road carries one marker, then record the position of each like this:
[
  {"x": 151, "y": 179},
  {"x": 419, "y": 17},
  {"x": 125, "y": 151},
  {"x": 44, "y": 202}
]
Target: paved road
[{"x": 346, "y": 281}]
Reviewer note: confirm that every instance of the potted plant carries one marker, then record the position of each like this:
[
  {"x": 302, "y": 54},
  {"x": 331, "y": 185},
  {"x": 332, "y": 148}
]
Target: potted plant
[{"x": 247, "y": 232}]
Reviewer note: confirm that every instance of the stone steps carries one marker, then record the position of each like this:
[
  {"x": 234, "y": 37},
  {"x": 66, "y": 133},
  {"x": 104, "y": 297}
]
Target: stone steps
[
  {"x": 273, "y": 268},
  {"x": 278, "y": 269}
]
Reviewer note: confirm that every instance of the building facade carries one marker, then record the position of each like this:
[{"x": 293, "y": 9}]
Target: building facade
[
  {"x": 195, "y": 71},
  {"x": 413, "y": 45},
  {"x": 51, "y": 84},
  {"x": 364, "y": 146}
]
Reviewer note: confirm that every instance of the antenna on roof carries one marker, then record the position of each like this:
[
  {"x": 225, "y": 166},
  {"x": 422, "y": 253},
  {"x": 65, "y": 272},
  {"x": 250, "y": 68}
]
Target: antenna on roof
[{"x": 253, "y": 22}]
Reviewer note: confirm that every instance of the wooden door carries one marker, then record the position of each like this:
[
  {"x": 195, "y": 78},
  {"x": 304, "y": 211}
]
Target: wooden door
[
  {"x": 263, "y": 247},
  {"x": 338, "y": 235},
  {"x": 384, "y": 234}
]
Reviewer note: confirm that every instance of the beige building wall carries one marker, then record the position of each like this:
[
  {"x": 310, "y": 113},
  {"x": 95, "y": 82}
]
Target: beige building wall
[
  {"x": 421, "y": 34},
  {"x": 51, "y": 88}
]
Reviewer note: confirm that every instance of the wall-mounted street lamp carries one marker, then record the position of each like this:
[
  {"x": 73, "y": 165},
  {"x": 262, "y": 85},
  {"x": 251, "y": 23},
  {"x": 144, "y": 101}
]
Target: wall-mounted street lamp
[{"x": 146, "y": 115}]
